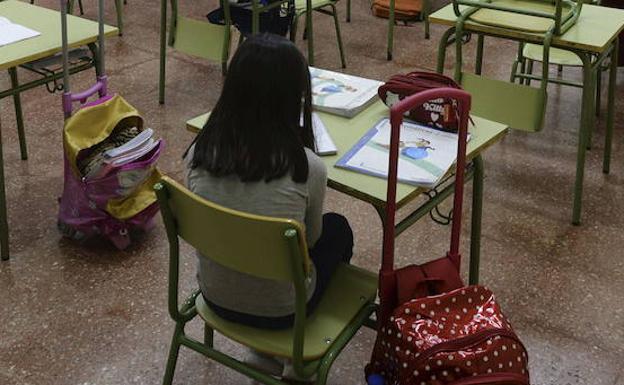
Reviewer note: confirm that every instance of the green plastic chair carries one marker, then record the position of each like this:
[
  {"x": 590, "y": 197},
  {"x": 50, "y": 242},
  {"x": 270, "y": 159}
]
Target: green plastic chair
[
  {"x": 201, "y": 38},
  {"x": 327, "y": 7},
  {"x": 279, "y": 253},
  {"x": 518, "y": 105},
  {"x": 194, "y": 37}
]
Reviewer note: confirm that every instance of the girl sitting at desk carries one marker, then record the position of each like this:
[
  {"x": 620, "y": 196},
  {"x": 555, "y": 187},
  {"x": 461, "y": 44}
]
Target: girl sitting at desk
[{"x": 253, "y": 155}]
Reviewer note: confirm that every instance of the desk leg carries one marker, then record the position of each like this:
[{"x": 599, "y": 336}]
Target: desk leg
[
  {"x": 475, "y": 230},
  {"x": 4, "y": 223},
  {"x": 119, "y": 10},
  {"x": 163, "y": 51},
  {"x": 589, "y": 89},
  {"x": 18, "y": 113},
  {"x": 606, "y": 162}
]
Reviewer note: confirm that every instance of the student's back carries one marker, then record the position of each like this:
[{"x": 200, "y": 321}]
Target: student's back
[
  {"x": 281, "y": 198},
  {"x": 255, "y": 155}
]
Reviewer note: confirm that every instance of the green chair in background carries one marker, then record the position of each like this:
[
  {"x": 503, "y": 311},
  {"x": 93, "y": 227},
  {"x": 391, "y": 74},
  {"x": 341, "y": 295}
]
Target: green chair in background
[
  {"x": 327, "y": 7},
  {"x": 279, "y": 253},
  {"x": 194, "y": 37},
  {"x": 201, "y": 38},
  {"x": 518, "y": 105}
]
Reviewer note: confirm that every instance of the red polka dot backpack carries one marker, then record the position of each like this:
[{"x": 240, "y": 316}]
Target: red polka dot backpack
[{"x": 433, "y": 330}]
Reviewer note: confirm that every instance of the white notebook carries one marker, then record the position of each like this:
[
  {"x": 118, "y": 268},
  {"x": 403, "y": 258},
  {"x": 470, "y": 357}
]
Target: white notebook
[
  {"x": 342, "y": 94},
  {"x": 12, "y": 33},
  {"x": 324, "y": 143}
]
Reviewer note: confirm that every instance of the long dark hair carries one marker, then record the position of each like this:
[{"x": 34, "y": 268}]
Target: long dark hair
[{"x": 255, "y": 130}]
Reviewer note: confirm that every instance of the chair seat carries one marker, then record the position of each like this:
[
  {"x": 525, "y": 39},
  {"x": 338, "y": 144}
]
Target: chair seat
[
  {"x": 557, "y": 56},
  {"x": 516, "y": 21},
  {"x": 300, "y": 5},
  {"x": 349, "y": 291}
]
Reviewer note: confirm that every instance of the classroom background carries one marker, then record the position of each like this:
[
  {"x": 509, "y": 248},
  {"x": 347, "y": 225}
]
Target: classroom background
[{"x": 95, "y": 315}]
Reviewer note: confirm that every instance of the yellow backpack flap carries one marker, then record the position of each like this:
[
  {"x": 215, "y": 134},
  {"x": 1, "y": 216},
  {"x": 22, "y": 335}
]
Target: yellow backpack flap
[{"x": 139, "y": 200}]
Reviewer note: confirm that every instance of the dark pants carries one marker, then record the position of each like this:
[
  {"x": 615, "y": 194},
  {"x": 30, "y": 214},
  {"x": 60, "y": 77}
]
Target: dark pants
[{"x": 333, "y": 247}]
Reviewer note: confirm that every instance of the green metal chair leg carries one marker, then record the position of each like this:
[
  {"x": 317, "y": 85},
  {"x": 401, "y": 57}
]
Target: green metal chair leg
[
  {"x": 173, "y": 354},
  {"x": 390, "y": 31},
  {"x": 444, "y": 43},
  {"x": 519, "y": 62},
  {"x": 293, "y": 28},
  {"x": 598, "y": 91},
  {"x": 208, "y": 336},
  {"x": 587, "y": 101},
  {"x": 479, "y": 58},
  {"x": 529, "y": 71},
  {"x": 18, "y": 114},
  {"x": 310, "y": 32},
  {"x": 348, "y": 11},
  {"x": 606, "y": 162},
  {"x": 338, "y": 36},
  {"x": 119, "y": 10},
  {"x": 163, "y": 51},
  {"x": 475, "y": 229},
  {"x": 426, "y": 9},
  {"x": 4, "y": 223}
]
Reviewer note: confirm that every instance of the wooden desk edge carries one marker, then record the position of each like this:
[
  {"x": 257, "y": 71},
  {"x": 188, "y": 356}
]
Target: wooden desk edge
[
  {"x": 523, "y": 36},
  {"x": 50, "y": 52}
]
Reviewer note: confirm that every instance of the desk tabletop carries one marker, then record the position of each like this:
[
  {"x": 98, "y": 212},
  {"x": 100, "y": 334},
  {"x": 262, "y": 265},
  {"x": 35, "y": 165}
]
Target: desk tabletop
[
  {"x": 48, "y": 23},
  {"x": 346, "y": 132},
  {"x": 595, "y": 28}
]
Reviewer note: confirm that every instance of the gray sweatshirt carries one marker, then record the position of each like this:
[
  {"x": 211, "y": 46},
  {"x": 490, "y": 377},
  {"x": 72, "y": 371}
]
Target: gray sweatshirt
[{"x": 282, "y": 198}]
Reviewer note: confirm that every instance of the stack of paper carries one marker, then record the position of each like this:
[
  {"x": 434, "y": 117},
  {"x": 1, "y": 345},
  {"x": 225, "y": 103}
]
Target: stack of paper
[
  {"x": 128, "y": 152},
  {"x": 12, "y": 33},
  {"x": 341, "y": 94},
  {"x": 425, "y": 154}
]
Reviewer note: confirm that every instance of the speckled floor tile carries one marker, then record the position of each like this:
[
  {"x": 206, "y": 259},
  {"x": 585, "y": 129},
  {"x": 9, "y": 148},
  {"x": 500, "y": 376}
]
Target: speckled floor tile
[{"x": 89, "y": 314}]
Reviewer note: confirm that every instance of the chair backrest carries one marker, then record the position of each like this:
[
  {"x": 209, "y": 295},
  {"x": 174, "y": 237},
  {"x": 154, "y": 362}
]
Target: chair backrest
[
  {"x": 264, "y": 247},
  {"x": 537, "y": 16},
  {"x": 201, "y": 38},
  {"x": 518, "y": 106}
]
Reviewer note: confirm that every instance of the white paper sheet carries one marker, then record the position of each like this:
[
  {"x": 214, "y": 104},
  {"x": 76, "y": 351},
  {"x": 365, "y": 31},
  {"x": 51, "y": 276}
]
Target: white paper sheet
[{"x": 12, "y": 33}]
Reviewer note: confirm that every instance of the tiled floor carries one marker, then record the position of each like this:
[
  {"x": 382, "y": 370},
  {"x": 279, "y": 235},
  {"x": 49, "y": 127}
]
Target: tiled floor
[{"x": 94, "y": 315}]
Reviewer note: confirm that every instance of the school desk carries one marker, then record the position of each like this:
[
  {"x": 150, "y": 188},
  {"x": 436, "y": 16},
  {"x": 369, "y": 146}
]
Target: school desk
[
  {"x": 346, "y": 132},
  {"x": 593, "y": 39},
  {"x": 48, "y": 22}
]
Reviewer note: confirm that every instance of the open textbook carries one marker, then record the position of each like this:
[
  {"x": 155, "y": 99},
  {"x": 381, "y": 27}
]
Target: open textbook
[
  {"x": 341, "y": 94},
  {"x": 12, "y": 33},
  {"x": 425, "y": 154}
]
